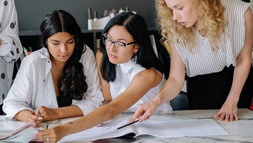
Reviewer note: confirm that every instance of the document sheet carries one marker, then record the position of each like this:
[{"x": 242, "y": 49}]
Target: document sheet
[
  {"x": 15, "y": 131},
  {"x": 166, "y": 128}
]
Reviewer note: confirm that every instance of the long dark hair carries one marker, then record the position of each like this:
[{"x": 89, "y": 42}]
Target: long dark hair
[
  {"x": 136, "y": 26},
  {"x": 71, "y": 82}
]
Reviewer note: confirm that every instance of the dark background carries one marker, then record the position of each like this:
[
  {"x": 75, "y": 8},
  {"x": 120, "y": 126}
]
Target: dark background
[{"x": 32, "y": 12}]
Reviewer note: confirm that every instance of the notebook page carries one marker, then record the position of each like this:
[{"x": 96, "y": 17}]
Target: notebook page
[
  {"x": 180, "y": 128},
  {"x": 107, "y": 130}
]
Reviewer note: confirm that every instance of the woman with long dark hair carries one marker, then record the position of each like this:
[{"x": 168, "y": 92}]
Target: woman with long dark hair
[
  {"x": 130, "y": 73},
  {"x": 59, "y": 80}
]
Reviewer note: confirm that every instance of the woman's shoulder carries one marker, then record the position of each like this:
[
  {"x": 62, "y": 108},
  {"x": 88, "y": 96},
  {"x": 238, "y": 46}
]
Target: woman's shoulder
[
  {"x": 34, "y": 62},
  {"x": 149, "y": 74},
  {"x": 36, "y": 56},
  {"x": 99, "y": 54},
  {"x": 88, "y": 53},
  {"x": 88, "y": 58},
  {"x": 235, "y": 6}
]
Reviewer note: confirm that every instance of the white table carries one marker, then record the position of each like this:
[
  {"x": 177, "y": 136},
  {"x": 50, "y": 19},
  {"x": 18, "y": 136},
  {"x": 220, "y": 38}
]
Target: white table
[{"x": 240, "y": 131}]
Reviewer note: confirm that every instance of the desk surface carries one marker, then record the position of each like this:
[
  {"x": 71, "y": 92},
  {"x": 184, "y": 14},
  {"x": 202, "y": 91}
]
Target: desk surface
[{"x": 240, "y": 131}]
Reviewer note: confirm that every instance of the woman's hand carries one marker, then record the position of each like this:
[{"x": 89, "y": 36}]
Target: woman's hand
[
  {"x": 28, "y": 116},
  {"x": 52, "y": 135},
  {"x": 144, "y": 111},
  {"x": 228, "y": 111},
  {"x": 47, "y": 114}
]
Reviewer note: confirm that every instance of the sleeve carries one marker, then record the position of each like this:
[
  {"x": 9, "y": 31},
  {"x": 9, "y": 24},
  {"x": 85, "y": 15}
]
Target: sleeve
[
  {"x": 238, "y": 34},
  {"x": 251, "y": 5},
  {"x": 11, "y": 48},
  {"x": 93, "y": 97},
  {"x": 137, "y": 69},
  {"x": 20, "y": 95}
]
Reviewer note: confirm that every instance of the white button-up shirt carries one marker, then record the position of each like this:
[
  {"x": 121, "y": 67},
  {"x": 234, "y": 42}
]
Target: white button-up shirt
[
  {"x": 125, "y": 73},
  {"x": 10, "y": 49},
  {"x": 33, "y": 86}
]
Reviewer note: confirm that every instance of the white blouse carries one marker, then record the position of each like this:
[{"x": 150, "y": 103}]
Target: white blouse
[
  {"x": 10, "y": 49},
  {"x": 203, "y": 60},
  {"x": 124, "y": 75},
  {"x": 33, "y": 86}
]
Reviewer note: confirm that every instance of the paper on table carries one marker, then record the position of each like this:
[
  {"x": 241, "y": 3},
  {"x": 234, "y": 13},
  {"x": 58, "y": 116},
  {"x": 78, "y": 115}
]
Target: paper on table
[
  {"x": 9, "y": 126},
  {"x": 24, "y": 136},
  {"x": 22, "y": 133},
  {"x": 163, "y": 129}
]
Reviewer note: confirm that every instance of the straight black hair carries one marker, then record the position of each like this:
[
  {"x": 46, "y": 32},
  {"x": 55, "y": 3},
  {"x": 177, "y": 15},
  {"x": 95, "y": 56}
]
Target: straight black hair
[
  {"x": 136, "y": 27},
  {"x": 72, "y": 82}
]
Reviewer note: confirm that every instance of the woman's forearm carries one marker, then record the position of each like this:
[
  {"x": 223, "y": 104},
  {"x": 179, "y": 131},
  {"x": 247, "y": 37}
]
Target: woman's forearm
[
  {"x": 170, "y": 90},
  {"x": 69, "y": 111},
  {"x": 94, "y": 118},
  {"x": 241, "y": 72}
]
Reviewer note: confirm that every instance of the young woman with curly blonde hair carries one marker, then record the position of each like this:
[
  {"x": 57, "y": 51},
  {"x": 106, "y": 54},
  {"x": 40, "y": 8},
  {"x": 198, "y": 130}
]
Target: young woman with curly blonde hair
[{"x": 212, "y": 40}]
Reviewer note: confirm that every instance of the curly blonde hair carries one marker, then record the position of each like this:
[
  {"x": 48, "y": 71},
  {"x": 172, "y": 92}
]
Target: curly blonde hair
[{"x": 211, "y": 21}]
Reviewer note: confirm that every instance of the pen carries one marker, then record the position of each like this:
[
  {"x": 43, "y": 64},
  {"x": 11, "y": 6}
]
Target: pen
[
  {"x": 127, "y": 124},
  {"x": 37, "y": 113}
]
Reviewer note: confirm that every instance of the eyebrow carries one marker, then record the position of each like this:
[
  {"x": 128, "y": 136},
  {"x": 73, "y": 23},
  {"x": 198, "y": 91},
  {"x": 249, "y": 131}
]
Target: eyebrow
[
  {"x": 71, "y": 38},
  {"x": 116, "y": 40},
  {"x": 176, "y": 5},
  {"x": 58, "y": 40}
]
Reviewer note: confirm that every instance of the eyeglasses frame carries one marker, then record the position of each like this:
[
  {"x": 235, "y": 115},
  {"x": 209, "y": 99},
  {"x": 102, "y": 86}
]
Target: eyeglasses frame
[{"x": 113, "y": 42}]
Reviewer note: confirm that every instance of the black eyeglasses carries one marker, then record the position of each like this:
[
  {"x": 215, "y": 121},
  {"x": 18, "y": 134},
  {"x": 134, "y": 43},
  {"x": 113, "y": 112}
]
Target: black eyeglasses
[{"x": 108, "y": 42}]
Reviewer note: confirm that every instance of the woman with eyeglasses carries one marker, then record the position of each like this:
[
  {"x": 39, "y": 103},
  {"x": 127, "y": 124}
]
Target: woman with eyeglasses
[{"x": 129, "y": 70}]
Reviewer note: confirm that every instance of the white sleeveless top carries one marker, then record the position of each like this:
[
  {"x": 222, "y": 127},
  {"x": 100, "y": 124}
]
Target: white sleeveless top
[
  {"x": 124, "y": 75},
  {"x": 202, "y": 59}
]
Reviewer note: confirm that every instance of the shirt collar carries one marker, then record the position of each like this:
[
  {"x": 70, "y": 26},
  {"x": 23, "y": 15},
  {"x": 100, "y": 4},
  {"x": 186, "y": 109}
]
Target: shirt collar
[
  {"x": 126, "y": 67},
  {"x": 43, "y": 53}
]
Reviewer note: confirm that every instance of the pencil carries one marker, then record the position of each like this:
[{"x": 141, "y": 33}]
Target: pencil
[{"x": 127, "y": 124}]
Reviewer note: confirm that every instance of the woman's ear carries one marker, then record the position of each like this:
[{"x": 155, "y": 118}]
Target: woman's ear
[{"x": 136, "y": 48}]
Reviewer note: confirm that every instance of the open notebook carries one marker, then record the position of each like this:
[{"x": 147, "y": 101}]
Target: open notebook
[
  {"x": 158, "y": 128},
  {"x": 15, "y": 131}
]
